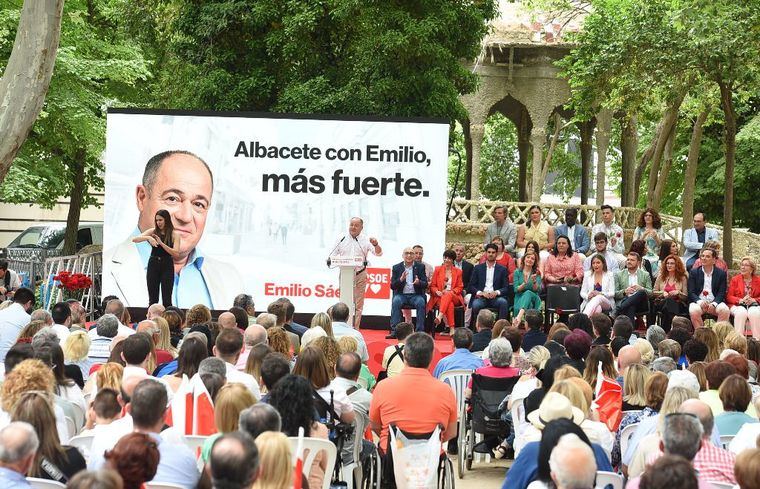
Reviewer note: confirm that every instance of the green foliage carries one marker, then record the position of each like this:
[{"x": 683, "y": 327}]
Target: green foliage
[
  {"x": 747, "y": 176},
  {"x": 96, "y": 66},
  {"x": 499, "y": 160},
  {"x": 338, "y": 56}
]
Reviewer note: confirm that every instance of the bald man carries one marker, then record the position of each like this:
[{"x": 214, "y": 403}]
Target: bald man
[
  {"x": 711, "y": 462},
  {"x": 627, "y": 356},
  {"x": 254, "y": 334},
  {"x": 154, "y": 311},
  {"x": 227, "y": 320},
  {"x": 572, "y": 464}
]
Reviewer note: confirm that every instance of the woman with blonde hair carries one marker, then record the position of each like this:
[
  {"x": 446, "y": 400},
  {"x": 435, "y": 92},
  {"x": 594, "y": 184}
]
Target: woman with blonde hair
[
  {"x": 722, "y": 329},
  {"x": 743, "y": 297},
  {"x": 322, "y": 319},
  {"x": 579, "y": 393},
  {"x": 255, "y": 359},
  {"x": 52, "y": 460},
  {"x": 229, "y": 402},
  {"x": 30, "y": 375},
  {"x": 165, "y": 338},
  {"x": 645, "y": 349},
  {"x": 709, "y": 338},
  {"x": 737, "y": 342},
  {"x": 329, "y": 348},
  {"x": 634, "y": 380},
  {"x": 275, "y": 460},
  {"x": 698, "y": 369},
  {"x": 75, "y": 351},
  {"x": 31, "y": 329},
  {"x": 107, "y": 377}
]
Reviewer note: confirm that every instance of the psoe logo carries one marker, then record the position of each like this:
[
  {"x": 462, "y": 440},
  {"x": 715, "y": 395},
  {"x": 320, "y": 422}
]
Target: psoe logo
[{"x": 378, "y": 283}]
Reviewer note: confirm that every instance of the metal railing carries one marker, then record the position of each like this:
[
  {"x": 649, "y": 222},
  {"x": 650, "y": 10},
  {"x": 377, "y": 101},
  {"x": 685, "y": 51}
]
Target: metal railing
[
  {"x": 477, "y": 213},
  {"x": 90, "y": 264}
]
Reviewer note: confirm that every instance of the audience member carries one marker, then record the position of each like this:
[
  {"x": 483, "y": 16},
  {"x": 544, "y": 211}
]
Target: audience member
[
  {"x": 489, "y": 285},
  {"x": 259, "y": 418},
  {"x": 736, "y": 395},
  {"x": 273, "y": 368},
  {"x": 572, "y": 464},
  {"x": 228, "y": 346},
  {"x": 633, "y": 286},
  {"x": 234, "y": 461},
  {"x": 534, "y": 336},
  {"x": 14, "y": 318},
  {"x": 670, "y": 472},
  {"x": 275, "y": 460},
  {"x": 408, "y": 282},
  {"x": 18, "y": 451},
  {"x": 136, "y": 458},
  {"x": 707, "y": 290},
  {"x": 96, "y": 479},
  {"x": 341, "y": 328},
  {"x": 255, "y": 334}
]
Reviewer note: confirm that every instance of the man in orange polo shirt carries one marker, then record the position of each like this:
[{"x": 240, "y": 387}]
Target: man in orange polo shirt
[{"x": 414, "y": 400}]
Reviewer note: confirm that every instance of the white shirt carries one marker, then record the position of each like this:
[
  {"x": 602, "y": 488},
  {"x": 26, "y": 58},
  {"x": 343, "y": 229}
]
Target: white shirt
[
  {"x": 342, "y": 329},
  {"x": 341, "y": 402},
  {"x": 614, "y": 235},
  {"x": 633, "y": 278},
  {"x": 12, "y": 320},
  {"x": 62, "y": 332},
  {"x": 409, "y": 283},
  {"x": 489, "y": 277},
  {"x": 707, "y": 287},
  {"x": 122, "y": 331},
  {"x": 348, "y": 246},
  {"x": 107, "y": 439},
  {"x": 609, "y": 256},
  {"x": 73, "y": 394},
  {"x": 745, "y": 438},
  {"x": 236, "y": 376},
  {"x": 571, "y": 234}
]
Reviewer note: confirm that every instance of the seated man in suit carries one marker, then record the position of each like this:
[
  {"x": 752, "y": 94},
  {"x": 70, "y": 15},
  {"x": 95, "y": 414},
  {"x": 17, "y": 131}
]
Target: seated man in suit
[
  {"x": 632, "y": 286},
  {"x": 408, "y": 282},
  {"x": 489, "y": 285},
  {"x": 694, "y": 239},
  {"x": 577, "y": 233},
  {"x": 707, "y": 290}
]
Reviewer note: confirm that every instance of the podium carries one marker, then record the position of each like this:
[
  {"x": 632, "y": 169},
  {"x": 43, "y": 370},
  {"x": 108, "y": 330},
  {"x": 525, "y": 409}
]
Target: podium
[{"x": 347, "y": 265}]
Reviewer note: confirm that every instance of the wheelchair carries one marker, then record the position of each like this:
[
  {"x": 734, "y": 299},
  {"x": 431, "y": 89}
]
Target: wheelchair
[{"x": 482, "y": 415}]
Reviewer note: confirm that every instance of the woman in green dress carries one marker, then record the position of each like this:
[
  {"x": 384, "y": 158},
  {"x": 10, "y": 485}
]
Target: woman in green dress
[{"x": 527, "y": 284}]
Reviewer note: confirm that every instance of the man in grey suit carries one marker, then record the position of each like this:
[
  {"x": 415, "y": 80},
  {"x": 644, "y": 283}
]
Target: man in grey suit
[{"x": 694, "y": 239}]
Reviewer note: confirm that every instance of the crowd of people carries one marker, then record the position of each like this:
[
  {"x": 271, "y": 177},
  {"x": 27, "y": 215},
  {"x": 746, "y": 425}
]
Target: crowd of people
[{"x": 687, "y": 417}]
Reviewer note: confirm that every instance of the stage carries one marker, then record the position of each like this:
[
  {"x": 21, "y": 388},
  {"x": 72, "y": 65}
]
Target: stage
[{"x": 376, "y": 345}]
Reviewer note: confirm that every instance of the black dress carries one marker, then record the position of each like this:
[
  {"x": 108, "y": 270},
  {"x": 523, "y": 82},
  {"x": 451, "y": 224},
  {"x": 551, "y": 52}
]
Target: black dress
[
  {"x": 62, "y": 470},
  {"x": 160, "y": 273}
]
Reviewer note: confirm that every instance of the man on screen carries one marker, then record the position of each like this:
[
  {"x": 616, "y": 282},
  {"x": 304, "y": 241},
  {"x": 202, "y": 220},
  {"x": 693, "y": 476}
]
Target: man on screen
[
  {"x": 354, "y": 243},
  {"x": 183, "y": 184}
]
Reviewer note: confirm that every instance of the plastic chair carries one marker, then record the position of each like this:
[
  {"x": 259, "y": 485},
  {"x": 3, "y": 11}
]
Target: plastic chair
[
  {"x": 566, "y": 298},
  {"x": 457, "y": 380},
  {"x": 721, "y": 485},
  {"x": 625, "y": 436},
  {"x": 725, "y": 440},
  {"x": 312, "y": 446},
  {"x": 604, "y": 479},
  {"x": 71, "y": 427},
  {"x": 162, "y": 485},
  {"x": 43, "y": 483},
  {"x": 83, "y": 443}
]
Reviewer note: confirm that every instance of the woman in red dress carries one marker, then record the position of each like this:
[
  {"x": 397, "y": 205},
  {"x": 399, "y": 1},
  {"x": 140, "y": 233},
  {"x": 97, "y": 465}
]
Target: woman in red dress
[{"x": 446, "y": 290}]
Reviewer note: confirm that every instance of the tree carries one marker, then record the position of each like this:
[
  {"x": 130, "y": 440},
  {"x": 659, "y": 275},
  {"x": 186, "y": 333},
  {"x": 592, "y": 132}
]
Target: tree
[
  {"x": 320, "y": 56},
  {"x": 27, "y": 74},
  {"x": 96, "y": 67}
]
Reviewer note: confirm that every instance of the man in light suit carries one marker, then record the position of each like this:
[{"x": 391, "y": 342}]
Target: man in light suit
[
  {"x": 181, "y": 183},
  {"x": 408, "y": 282},
  {"x": 577, "y": 233},
  {"x": 707, "y": 290},
  {"x": 489, "y": 285},
  {"x": 632, "y": 286},
  {"x": 695, "y": 238}
]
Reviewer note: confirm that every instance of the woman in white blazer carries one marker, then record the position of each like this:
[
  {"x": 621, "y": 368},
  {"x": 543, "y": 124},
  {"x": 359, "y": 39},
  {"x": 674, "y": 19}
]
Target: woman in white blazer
[{"x": 598, "y": 289}]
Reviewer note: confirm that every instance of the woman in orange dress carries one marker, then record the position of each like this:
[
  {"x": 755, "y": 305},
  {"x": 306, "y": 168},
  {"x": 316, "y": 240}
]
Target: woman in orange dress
[{"x": 446, "y": 289}]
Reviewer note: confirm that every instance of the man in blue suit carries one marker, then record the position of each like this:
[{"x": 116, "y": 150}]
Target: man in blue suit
[
  {"x": 408, "y": 282},
  {"x": 489, "y": 285},
  {"x": 707, "y": 290},
  {"x": 577, "y": 233}
]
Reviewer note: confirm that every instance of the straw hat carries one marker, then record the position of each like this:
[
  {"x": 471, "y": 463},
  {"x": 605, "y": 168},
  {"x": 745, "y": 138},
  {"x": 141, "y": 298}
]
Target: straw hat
[{"x": 555, "y": 406}]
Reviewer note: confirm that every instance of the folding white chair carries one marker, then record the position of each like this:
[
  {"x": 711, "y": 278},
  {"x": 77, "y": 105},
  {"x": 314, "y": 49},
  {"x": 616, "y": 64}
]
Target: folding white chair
[
  {"x": 312, "y": 446},
  {"x": 83, "y": 443},
  {"x": 604, "y": 479},
  {"x": 71, "y": 427},
  {"x": 626, "y": 435},
  {"x": 721, "y": 485},
  {"x": 43, "y": 483},
  {"x": 162, "y": 485}
]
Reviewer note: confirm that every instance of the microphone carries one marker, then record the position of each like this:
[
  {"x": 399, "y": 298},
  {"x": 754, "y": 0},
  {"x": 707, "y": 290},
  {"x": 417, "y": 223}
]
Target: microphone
[{"x": 333, "y": 250}]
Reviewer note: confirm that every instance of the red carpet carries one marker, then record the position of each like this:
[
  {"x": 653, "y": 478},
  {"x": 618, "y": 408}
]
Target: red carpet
[{"x": 376, "y": 345}]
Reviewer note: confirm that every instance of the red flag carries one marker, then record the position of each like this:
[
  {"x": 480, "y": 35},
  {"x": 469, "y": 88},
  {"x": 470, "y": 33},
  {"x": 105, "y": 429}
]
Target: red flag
[
  {"x": 298, "y": 461},
  {"x": 192, "y": 410},
  {"x": 609, "y": 400}
]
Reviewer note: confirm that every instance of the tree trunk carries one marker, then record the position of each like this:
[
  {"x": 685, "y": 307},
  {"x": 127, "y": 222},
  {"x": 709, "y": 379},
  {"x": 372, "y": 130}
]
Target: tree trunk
[
  {"x": 75, "y": 204},
  {"x": 629, "y": 143},
  {"x": 669, "y": 120},
  {"x": 667, "y": 162},
  {"x": 552, "y": 146},
  {"x": 586, "y": 129},
  {"x": 603, "y": 127},
  {"x": 729, "y": 134},
  {"x": 654, "y": 152},
  {"x": 27, "y": 75},
  {"x": 523, "y": 150},
  {"x": 690, "y": 174},
  {"x": 468, "y": 159}
]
